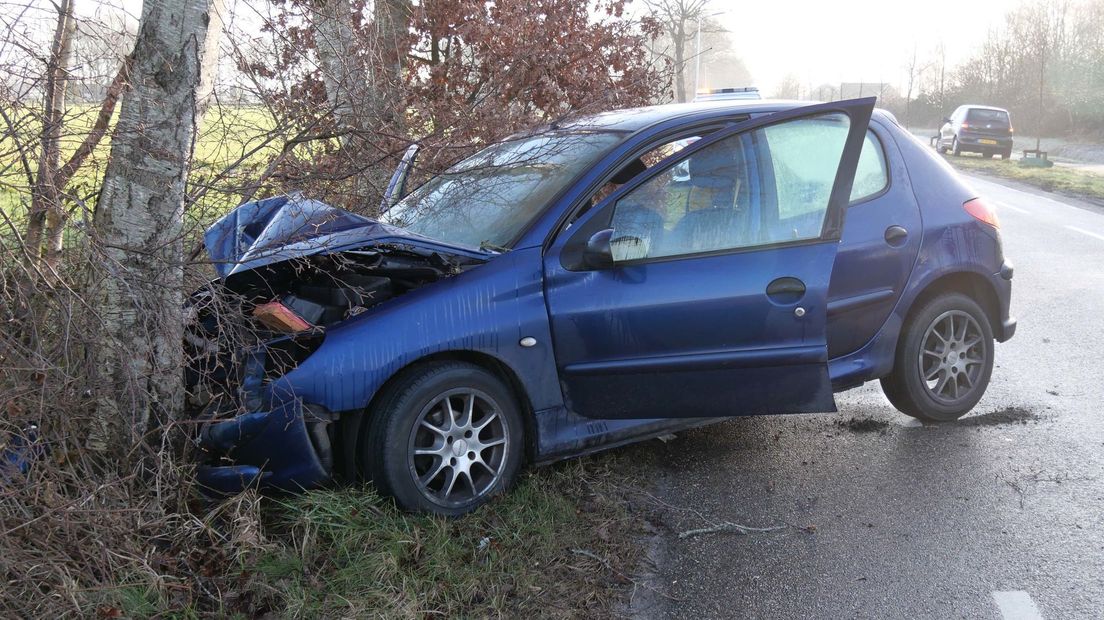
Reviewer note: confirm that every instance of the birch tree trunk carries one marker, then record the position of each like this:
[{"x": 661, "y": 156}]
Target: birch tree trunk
[
  {"x": 208, "y": 71},
  {"x": 138, "y": 225},
  {"x": 392, "y": 21},
  {"x": 345, "y": 74},
  {"x": 363, "y": 81}
]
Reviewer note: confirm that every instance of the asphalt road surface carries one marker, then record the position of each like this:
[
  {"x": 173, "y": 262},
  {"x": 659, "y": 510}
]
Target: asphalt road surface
[{"x": 1000, "y": 515}]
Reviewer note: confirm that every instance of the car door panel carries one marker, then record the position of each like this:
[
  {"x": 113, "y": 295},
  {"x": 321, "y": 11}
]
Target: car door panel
[
  {"x": 704, "y": 334},
  {"x": 667, "y": 343}
]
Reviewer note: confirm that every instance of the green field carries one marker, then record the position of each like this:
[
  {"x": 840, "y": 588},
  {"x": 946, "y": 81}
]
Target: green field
[{"x": 231, "y": 146}]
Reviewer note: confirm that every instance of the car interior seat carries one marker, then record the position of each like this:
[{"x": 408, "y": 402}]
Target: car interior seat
[{"x": 713, "y": 219}]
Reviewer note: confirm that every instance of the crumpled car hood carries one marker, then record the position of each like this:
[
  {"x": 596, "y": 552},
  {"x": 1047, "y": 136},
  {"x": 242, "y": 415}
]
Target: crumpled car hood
[{"x": 282, "y": 228}]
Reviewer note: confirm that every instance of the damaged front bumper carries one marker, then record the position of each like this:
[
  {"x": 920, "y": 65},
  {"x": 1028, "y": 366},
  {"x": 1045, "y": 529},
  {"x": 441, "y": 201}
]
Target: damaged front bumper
[{"x": 287, "y": 447}]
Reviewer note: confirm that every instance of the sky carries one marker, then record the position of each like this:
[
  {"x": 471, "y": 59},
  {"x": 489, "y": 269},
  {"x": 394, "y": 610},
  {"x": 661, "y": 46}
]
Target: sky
[{"x": 836, "y": 41}]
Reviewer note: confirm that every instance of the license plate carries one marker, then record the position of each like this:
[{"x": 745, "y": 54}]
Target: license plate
[{"x": 984, "y": 141}]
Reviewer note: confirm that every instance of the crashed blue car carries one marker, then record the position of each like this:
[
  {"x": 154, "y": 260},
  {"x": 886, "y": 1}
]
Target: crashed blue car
[{"x": 593, "y": 283}]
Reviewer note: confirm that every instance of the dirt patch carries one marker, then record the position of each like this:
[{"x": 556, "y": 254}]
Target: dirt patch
[
  {"x": 863, "y": 425},
  {"x": 1000, "y": 417}
]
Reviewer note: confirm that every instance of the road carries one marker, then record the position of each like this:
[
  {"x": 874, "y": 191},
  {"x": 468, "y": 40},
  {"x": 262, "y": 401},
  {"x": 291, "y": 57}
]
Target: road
[{"x": 997, "y": 515}]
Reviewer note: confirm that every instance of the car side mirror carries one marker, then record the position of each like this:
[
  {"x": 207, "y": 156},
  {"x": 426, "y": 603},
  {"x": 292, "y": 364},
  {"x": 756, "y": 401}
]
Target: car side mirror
[
  {"x": 598, "y": 253},
  {"x": 946, "y": 120}
]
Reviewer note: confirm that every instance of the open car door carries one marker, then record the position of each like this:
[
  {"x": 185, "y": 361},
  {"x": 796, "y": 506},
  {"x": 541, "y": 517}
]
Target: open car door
[{"x": 705, "y": 294}]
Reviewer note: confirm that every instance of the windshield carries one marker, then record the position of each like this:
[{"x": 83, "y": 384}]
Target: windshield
[{"x": 487, "y": 199}]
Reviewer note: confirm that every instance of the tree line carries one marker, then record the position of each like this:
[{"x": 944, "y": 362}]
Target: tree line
[{"x": 1044, "y": 63}]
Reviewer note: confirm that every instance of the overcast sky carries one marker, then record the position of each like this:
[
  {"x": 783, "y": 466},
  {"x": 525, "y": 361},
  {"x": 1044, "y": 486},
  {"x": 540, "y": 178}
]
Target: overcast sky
[{"x": 851, "y": 40}]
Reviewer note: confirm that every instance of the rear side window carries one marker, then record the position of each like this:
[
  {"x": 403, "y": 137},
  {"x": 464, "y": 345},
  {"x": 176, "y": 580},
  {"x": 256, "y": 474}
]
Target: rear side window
[
  {"x": 870, "y": 175},
  {"x": 977, "y": 115}
]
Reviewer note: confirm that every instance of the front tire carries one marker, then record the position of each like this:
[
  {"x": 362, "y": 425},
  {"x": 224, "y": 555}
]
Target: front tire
[
  {"x": 944, "y": 360},
  {"x": 443, "y": 438}
]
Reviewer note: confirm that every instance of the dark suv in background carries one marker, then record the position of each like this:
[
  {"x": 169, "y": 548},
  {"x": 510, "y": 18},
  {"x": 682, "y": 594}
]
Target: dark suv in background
[{"x": 976, "y": 129}]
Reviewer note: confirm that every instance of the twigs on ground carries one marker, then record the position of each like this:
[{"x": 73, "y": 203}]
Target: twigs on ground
[
  {"x": 604, "y": 562},
  {"x": 728, "y": 526}
]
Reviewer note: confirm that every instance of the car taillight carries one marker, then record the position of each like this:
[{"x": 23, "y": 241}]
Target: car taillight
[
  {"x": 982, "y": 211},
  {"x": 965, "y": 125}
]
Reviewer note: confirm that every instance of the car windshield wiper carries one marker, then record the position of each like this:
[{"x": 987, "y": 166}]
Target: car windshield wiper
[{"x": 487, "y": 246}]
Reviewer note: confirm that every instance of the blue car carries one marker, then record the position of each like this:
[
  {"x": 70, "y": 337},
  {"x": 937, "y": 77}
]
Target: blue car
[{"x": 594, "y": 283}]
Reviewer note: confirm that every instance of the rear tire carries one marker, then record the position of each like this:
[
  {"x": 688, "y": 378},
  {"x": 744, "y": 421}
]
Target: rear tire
[
  {"x": 956, "y": 149},
  {"x": 1006, "y": 155},
  {"x": 944, "y": 360},
  {"x": 443, "y": 438}
]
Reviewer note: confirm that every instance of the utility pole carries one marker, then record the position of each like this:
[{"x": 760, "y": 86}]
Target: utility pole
[
  {"x": 697, "y": 58},
  {"x": 698, "y": 53}
]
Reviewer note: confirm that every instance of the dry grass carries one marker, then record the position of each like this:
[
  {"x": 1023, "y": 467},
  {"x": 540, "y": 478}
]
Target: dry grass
[
  {"x": 139, "y": 542},
  {"x": 559, "y": 545},
  {"x": 1060, "y": 179}
]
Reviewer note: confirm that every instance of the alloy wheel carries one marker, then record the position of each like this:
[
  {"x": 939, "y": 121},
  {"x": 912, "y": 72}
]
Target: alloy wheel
[
  {"x": 458, "y": 447},
  {"x": 952, "y": 356}
]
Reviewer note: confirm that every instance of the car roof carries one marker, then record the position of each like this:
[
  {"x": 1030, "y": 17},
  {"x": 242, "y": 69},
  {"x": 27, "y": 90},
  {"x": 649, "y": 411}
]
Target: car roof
[
  {"x": 633, "y": 119},
  {"x": 971, "y": 106}
]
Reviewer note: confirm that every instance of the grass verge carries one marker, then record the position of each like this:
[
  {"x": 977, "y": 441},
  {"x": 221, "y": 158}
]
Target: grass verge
[
  {"x": 561, "y": 544},
  {"x": 1060, "y": 179}
]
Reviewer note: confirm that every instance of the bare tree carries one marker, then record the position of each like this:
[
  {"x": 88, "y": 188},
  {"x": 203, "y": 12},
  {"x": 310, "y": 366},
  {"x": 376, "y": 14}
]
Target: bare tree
[
  {"x": 47, "y": 216},
  {"x": 680, "y": 20},
  {"x": 941, "y": 63},
  {"x": 914, "y": 72},
  {"x": 1045, "y": 30},
  {"x": 788, "y": 88},
  {"x": 362, "y": 77},
  {"x": 45, "y": 196},
  {"x": 139, "y": 223},
  {"x": 721, "y": 66}
]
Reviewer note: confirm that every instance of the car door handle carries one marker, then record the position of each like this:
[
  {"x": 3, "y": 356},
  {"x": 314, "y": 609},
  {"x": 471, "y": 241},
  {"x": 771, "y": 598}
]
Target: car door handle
[
  {"x": 896, "y": 236},
  {"x": 786, "y": 290}
]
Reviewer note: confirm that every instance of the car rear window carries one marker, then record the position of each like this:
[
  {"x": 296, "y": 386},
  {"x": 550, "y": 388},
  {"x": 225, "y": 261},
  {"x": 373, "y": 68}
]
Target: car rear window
[{"x": 977, "y": 115}]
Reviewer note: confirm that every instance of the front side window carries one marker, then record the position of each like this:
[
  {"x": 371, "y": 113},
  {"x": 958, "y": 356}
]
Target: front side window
[
  {"x": 489, "y": 198},
  {"x": 765, "y": 186}
]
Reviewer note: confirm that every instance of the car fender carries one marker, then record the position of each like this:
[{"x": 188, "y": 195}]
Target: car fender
[
  {"x": 961, "y": 248},
  {"x": 487, "y": 310}
]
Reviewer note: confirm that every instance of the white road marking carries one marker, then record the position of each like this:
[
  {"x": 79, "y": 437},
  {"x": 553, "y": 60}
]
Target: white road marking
[
  {"x": 1085, "y": 232},
  {"x": 1017, "y": 605},
  {"x": 1005, "y": 205}
]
